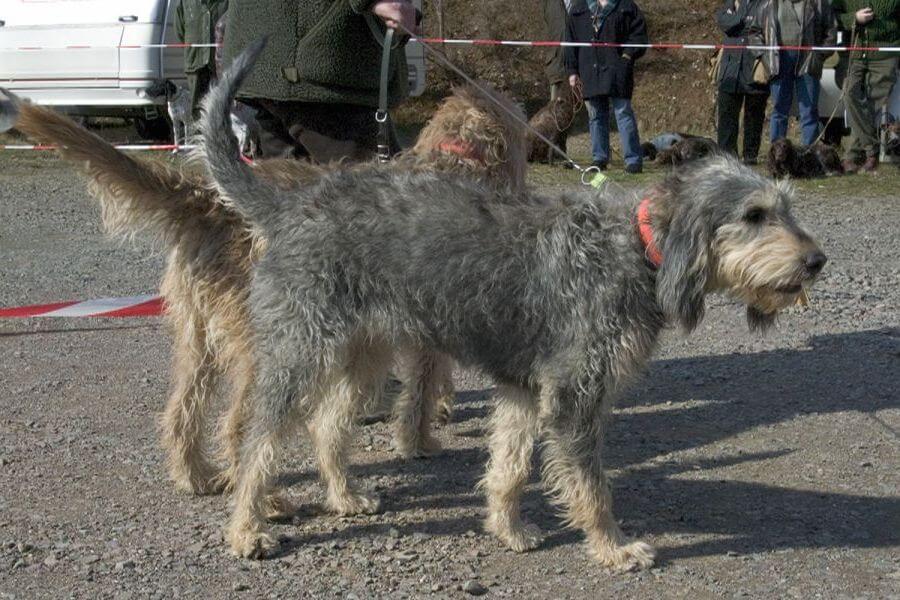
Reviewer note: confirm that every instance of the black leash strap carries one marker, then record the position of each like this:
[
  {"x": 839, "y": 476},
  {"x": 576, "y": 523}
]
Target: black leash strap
[{"x": 381, "y": 115}]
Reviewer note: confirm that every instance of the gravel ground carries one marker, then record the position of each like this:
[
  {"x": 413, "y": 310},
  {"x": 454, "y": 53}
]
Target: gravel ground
[{"x": 758, "y": 466}]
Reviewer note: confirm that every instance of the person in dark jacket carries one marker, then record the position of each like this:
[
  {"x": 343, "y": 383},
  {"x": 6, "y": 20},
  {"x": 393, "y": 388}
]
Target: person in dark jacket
[
  {"x": 606, "y": 74},
  {"x": 195, "y": 21},
  {"x": 797, "y": 23},
  {"x": 742, "y": 22},
  {"x": 315, "y": 86}
]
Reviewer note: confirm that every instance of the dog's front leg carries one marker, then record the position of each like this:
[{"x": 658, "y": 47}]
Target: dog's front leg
[
  {"x": 572, "y": 423},
  {"x": 513, "y": 432}
]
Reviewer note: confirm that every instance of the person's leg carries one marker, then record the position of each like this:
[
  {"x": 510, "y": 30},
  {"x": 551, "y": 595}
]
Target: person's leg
[
  {"x": 782, "y": 90},
  {"x": 628, "y": 132},
  {"x": 333, "y": 132},
  {"x": 882, "y": 75},
  {"x": 754, "y": 119},
  {"x": 200, "y": 82},
  {"x": 859, "y": 115},
  {"x": 598, "y": 124},
  {"x": 807, "y": 88},
  {"x": 728, "y": 109}
]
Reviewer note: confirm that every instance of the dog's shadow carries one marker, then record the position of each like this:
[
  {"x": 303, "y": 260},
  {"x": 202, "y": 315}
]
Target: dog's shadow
[{"x": 684, "y": 404}]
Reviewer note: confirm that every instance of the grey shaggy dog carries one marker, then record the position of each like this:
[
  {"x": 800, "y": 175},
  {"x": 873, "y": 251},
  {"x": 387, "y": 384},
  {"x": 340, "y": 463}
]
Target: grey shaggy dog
[{"x": 557, "y": 298}]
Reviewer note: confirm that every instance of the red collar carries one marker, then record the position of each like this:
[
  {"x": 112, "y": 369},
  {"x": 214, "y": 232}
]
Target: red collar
[
  {"x": 645, "y": 230},
  {"x": 460, "y": 148}
]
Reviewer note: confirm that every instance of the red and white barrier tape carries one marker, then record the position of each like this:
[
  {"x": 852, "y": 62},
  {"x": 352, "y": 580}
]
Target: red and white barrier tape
[
  {"x": 132, "y": 306},
  {"x": 525, "y": 43},
  {"x": 125, "y": 147}
]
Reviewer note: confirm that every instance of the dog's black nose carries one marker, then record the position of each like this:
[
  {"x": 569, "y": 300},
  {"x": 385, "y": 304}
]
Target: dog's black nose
[{"x": 814, "y": 262}]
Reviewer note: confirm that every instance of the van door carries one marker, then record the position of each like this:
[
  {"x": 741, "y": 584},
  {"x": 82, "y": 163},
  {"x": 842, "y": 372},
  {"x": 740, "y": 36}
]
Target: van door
[{"x": 60, "y": 43}]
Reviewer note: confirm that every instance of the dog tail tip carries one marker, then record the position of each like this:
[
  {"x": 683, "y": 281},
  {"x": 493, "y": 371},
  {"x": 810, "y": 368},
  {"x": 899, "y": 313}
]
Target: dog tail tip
[{"x": 9, "y": 110}]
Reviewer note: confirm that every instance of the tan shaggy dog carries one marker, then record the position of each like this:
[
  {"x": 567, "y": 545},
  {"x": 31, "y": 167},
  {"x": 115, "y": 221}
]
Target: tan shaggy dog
[{"x": 211, "y": 252}]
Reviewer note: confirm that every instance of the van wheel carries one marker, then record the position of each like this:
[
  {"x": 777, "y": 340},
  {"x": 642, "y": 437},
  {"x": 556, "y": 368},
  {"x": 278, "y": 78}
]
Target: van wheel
[
  {"x": 834, "y": 131},
  {"x": 157, "y": 129}
]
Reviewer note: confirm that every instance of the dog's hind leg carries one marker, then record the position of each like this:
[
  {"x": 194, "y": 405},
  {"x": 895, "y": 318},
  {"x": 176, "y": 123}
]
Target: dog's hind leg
[
  {"x": 232, "y": 429},
  {"x": 423, "y": 372},
  {"x": 513, "y": 433},
  {"x": 363, "y": 375},
  {"x": 292, "y": 364},
  {"x": 572, "y": 423},
  {"x": 183, "y": 420}
]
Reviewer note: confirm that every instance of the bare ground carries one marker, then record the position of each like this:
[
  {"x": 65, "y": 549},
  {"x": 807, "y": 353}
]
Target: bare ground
[{"x": 758, "y": 466}]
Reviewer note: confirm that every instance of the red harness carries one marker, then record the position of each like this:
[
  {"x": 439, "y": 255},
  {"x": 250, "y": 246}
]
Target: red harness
[
  {"x": 645, "y": 230},
  {"x": 462, "y": 149}
]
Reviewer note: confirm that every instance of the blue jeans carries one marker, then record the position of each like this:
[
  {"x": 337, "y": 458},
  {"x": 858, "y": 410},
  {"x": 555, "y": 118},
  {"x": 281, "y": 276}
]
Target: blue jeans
[
  {"x": 783, "y": 88},
  {"x": 598, "y": 122}
]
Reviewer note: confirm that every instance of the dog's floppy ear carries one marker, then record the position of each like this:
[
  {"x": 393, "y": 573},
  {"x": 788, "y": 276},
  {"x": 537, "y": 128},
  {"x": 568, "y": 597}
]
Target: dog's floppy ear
[
  {"x": 682, "y": 277},
  {"x": 171, "y": 88},
  {"x": 759, "y": 321}
]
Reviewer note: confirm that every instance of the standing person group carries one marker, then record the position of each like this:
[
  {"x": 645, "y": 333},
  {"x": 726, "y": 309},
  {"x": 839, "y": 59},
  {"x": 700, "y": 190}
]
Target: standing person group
[
  {"x": 746, "y": 77},
  {"x": 606, "y": 74}
]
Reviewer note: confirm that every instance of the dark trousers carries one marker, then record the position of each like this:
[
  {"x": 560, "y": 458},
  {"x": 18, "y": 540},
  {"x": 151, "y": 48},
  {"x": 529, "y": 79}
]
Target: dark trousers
[
  {"x": 318, "y": 131},
  {"x": 199, "y": 83},
  {"x": 728, "y": 117},
  {"x": 869, "y": 83}
]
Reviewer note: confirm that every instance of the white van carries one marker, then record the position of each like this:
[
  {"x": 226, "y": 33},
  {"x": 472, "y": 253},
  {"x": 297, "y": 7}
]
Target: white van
[{"x": 75, "y": 54}]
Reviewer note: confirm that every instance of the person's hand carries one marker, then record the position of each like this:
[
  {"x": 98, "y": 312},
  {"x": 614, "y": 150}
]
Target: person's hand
[
  {"x": 397, "y": 14},
  {"x": 574, "y": 81},
  {"x": 864, "y": 15}
]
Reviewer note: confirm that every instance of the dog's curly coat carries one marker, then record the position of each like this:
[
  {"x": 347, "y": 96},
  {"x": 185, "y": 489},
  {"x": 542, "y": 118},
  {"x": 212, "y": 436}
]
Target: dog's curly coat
[
  {"x": 555, "y": 298},
  {"x": 211, "y": 251}
]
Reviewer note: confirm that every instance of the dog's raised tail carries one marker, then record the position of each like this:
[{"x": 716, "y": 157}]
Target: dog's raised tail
[
  {"x": 134, "y": 195},
  {"x": 237, "y": 184}
]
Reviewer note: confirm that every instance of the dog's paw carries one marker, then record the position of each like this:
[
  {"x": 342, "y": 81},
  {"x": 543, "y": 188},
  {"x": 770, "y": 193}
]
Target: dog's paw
[
  {"x": 626, "y": 557},
  {"x": 224, "y": 481},
  {"x": 421, "y": 447},
  {"x": 279, "y": 508},
  {"x": 202, "y": 480},
  {"x": 443, "y": 411},
  {"x": 354, "y": 503},
  {"x": 522, "y": 538},
  {"x": 250, "y": 543}
]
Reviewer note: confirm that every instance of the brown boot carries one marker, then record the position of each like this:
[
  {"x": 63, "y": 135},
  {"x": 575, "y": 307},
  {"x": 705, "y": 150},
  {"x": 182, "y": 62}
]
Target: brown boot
[
  {"x": 870, "y": 166},
  {"x": 850, "y": 166}
]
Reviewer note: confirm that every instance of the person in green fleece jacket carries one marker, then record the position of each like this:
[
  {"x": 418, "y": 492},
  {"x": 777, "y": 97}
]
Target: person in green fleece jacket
[
  {"x": 315, "y": 86},
  {"x": 870, "y": 75}
]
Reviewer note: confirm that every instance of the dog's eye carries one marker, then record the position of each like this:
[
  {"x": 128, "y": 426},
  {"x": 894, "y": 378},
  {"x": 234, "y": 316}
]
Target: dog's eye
[{"x": 755, "y": 215}]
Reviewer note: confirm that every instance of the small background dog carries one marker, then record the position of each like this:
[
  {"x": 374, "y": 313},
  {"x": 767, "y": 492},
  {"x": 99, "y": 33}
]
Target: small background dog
[
  {"x": 687, "y": 148},
  {"x": 553, "y": 121},
  {"x": 178, "y": 104},
  {"x": 890, "y": 141},
  {"x": 787, "y": 159}
]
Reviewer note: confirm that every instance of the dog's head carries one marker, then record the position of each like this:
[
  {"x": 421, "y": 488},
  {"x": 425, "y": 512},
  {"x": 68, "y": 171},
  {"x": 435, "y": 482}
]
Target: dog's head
[
  {"x": 782, "y": 158},
  {"x": 477, "y": 131},
  {"x": 892, "y": 138},
  {"x": 723, "y": 227}
]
